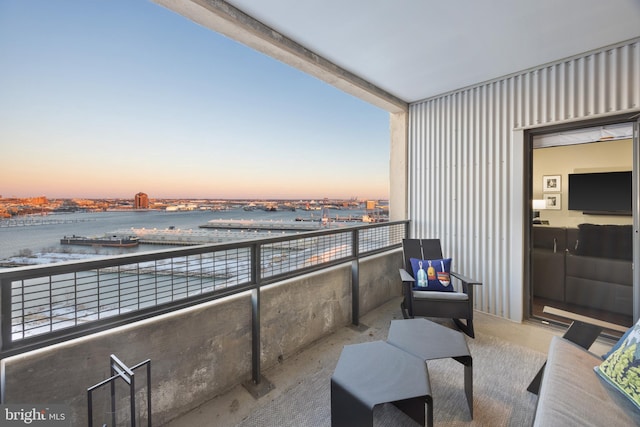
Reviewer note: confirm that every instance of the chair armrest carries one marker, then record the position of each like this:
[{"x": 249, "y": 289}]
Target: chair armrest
[
  {"x": 466, "y": 284},
  {"x": 465, "y": 279},
  {"x": 406, "y": 277},
  {"x": 584, "y": 319}
]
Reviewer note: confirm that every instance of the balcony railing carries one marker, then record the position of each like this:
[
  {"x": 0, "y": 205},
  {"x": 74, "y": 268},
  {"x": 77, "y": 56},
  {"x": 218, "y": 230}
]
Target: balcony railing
[{"x": 42, "y": 305}]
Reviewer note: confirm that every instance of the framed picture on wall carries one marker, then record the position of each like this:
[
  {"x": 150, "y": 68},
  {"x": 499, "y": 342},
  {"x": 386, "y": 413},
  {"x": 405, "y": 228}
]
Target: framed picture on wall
[
  {"x": 551, "y": 183},
  {"x": 552, "y": 201}
]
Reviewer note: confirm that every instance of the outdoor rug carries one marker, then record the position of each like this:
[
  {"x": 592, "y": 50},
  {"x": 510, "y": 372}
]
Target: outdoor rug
[{"x": 501, "y": 373}]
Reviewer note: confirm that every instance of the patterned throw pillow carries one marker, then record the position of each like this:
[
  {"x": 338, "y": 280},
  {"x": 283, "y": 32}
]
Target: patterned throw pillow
[
  {"x": 622, "y": 368},
  {"x": 432, "y": 274}
]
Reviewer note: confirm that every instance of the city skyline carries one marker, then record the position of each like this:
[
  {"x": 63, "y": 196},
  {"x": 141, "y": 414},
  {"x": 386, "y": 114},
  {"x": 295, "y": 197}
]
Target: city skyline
[{"x": 105, "y": 99}]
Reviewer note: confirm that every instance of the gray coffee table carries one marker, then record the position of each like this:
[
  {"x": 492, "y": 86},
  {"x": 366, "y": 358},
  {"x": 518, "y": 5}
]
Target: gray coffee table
[
  {"x": 373, "y": 373},
  {"x": 428, "y": 341}
]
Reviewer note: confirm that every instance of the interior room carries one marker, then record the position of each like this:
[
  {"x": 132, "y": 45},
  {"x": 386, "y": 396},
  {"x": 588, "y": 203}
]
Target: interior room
[{"x": 581, "y": 250}]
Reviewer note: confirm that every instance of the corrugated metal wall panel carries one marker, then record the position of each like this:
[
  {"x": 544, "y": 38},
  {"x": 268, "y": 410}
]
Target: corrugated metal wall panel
[{"x": 460, "y": 155}]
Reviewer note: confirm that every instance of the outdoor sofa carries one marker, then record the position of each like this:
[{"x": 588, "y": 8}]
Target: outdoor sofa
[{"x": 573, "y": 393}]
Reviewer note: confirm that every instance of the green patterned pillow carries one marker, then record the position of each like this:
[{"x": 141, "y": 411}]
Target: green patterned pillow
[{"x": 622, "y": 367}]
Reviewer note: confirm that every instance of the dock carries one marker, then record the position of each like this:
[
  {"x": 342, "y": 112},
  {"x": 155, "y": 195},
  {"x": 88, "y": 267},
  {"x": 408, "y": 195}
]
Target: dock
[
  {"x": 178, "y": 237},
  {"x": 32, "y": 221},
  {"x": 286, "y": 226},
  {"x": 223, "y": 231}
]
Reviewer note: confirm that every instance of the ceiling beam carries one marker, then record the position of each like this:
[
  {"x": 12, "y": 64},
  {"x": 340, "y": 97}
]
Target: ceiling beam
[{"x": 225, "y": 19}]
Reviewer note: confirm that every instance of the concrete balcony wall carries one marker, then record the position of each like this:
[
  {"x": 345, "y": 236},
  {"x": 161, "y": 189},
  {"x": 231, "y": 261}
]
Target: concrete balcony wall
[
  {"x": 200, "y": 352},
  {"x": 379, "y": 280},
  {"x": 297, "y": 312}
]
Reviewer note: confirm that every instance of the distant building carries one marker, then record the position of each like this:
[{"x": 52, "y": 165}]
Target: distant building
[
  {"x": 41, "y": 200},
  {"x": 141, "y": 201}
]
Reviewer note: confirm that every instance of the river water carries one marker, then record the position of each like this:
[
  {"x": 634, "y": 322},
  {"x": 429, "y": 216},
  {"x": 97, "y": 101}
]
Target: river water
[{"x": 45, "y": 234}]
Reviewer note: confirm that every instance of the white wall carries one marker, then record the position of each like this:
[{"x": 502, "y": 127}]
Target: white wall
[{"x": 582, "y": 158}]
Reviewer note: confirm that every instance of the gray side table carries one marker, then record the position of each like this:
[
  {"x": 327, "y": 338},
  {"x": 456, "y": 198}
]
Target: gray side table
[
  {"x": 428, "y": 341},
  {"x": 373, "y": 373}
]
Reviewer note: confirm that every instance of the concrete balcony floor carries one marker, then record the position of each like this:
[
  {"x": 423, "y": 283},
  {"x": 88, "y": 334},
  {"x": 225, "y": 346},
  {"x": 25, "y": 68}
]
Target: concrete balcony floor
[{"x": 319, "y": 361}]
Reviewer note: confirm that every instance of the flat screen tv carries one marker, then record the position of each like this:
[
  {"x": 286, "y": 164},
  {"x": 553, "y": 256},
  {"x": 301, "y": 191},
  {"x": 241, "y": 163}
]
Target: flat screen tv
[{"x": 601, "y": 192}]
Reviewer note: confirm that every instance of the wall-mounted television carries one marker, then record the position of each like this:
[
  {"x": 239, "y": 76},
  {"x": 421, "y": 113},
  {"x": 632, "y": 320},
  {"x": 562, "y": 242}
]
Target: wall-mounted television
[{"x": 607, "y": 193}]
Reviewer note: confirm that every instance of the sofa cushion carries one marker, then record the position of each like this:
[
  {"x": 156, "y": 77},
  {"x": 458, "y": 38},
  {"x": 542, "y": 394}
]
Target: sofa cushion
[
  {"x": 605, "y": 284},
  {"x": 548, "y": 274},
  {"x": 622, "y": 367},
  {"x": 600, "y": 269},
  {"x": 572, "y": 394},
  {"x": 605, "y": 241},
  {"x": 552, "y": 238}
]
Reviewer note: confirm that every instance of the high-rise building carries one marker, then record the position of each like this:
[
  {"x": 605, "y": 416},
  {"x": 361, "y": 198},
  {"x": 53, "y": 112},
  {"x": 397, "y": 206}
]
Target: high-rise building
[{"x": 141, "y": 201}]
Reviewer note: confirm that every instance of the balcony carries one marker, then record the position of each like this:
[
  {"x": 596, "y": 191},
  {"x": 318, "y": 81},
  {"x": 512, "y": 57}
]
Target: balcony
[
  {"x": 209, "y": 317},
  {"x": 210, "y": 339}
]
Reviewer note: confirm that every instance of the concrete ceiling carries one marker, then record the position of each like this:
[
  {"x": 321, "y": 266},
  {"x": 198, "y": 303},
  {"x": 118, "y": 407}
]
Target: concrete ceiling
[{"x": 416, "y": 49}]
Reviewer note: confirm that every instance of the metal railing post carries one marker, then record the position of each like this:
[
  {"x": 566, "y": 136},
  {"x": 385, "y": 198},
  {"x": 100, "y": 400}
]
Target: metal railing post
[
  {"x": 355, "y": 279},
  {"x": 258, "y": 386},
  {"x": 5, "y": 320},
  {"x": 5, "y": 314},
  {"x": 255, "y": 313}
]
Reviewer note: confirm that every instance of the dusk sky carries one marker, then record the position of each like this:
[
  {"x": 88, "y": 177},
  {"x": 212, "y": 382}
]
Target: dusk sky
[{"x": 106, "y": 98}]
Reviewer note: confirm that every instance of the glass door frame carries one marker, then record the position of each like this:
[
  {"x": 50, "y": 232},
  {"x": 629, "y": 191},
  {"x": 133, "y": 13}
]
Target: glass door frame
[
  {"x": 634, "y": 120},
  {"x": 636, "y": 218}
]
